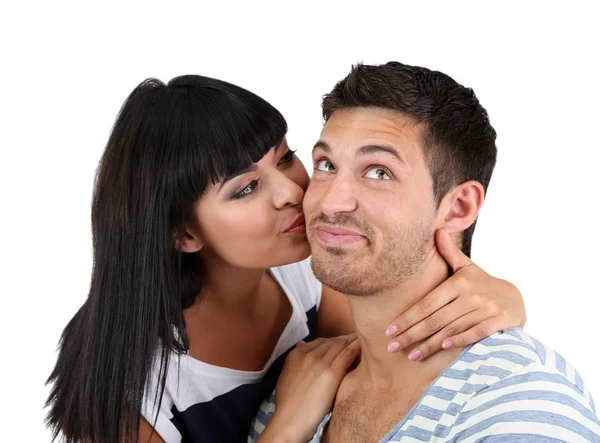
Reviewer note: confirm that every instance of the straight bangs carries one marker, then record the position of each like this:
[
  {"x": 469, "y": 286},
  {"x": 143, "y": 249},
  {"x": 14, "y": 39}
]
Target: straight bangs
[{"x": 223, "y": 129}]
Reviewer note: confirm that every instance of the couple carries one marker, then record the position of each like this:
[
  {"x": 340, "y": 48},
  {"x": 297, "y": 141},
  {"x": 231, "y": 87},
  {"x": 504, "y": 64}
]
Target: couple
[{"x": 202, "y": 285}]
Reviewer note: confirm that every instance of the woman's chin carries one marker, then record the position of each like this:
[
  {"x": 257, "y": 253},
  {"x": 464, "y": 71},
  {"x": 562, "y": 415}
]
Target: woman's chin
[{"x": 297, "y": 252}]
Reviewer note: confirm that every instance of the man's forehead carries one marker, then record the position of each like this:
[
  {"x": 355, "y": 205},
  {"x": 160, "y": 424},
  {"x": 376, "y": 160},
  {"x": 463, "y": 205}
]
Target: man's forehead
[{"x": 356, "y": 127}]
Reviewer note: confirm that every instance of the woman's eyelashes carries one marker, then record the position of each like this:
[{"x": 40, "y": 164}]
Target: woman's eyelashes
[
  {"x": 246, "y": 191},
  {"x": 287, "y": 157},
  {"x": 249, "y": 189}
]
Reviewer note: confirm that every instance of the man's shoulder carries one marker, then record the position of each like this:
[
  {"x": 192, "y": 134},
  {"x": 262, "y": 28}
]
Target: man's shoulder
[
  {"x": 518, "y": 357},
  {"x": 519, "y": 386},
  {"x": 515, "y": 347}
]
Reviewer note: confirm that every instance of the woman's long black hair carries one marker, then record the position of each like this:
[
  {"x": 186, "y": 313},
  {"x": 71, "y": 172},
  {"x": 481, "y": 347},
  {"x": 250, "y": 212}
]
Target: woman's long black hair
[{"x": 167, "y": 144}]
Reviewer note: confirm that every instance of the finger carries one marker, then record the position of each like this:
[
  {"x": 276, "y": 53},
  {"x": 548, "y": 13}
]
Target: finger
[
  {"x": 337, "y": 348},
  {"x": 345, "y": 358},
  {"x": 445, "y": 338},
  {"x": 441, "y": 295},
  {"x": 435, "y": 322},
  {"x": 476, "y": 333},
  {"x": 327, "y": 343},
  {"x": 432, "y": 302},
  {"x": 308, "y": 347},
  {"x": 451, "y": 253}
]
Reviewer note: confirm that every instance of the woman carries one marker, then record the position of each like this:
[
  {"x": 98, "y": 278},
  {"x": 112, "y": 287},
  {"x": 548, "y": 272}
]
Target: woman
[{"x": 201, "y": 282}]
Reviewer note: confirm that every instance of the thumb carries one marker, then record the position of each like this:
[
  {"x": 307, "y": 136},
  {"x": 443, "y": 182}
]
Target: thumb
[{"x": 451, "y": 253}]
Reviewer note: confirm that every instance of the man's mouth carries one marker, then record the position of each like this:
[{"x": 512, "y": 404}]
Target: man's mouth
[{"x": 338, "y": 236}]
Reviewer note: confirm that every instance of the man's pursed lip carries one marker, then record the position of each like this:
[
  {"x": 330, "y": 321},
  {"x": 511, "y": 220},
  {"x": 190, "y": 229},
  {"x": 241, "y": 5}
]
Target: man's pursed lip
[{"x": 337, "y": 236}]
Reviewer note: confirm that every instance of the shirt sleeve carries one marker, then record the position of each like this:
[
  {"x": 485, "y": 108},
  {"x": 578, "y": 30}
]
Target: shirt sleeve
[
  {"x": 313, "y": 288},
  {"x": 262, "y": 419},
  {"x": 301, "y": 283},
  {"x": 531, "y": 405}
]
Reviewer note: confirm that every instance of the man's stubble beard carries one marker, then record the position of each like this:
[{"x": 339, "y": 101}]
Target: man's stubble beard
[{"x": 365, "y": 274}]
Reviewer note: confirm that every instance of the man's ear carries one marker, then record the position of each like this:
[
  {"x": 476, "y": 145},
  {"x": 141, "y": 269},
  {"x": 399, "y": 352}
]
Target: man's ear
[{"x": 460, "y": 208}]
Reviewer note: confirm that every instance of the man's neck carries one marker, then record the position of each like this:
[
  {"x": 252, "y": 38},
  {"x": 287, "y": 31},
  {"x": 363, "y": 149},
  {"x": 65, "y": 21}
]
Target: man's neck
[{"x": 380, "y": 369}]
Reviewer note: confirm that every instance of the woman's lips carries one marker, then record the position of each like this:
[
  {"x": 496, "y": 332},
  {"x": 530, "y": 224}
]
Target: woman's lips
[{"x": 298, "y": 226}]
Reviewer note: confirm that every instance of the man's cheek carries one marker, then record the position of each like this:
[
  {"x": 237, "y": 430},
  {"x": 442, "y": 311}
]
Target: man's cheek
[{"x": 311, "y": 199}]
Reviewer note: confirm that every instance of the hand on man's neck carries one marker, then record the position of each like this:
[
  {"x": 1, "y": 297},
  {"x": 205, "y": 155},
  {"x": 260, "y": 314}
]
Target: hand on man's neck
[{"x": 379, "y": 368}]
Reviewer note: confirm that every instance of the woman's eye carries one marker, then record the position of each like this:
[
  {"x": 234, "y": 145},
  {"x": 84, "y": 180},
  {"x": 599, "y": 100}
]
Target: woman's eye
[
  {"x": 287, "y": 157},
  {"x": 247, "y": 190},
  {"x": 325, "y": 165},
  {"x": 378, "y": 174}
]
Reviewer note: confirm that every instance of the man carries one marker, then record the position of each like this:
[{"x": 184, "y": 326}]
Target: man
[{"x": 406, "y": 154}]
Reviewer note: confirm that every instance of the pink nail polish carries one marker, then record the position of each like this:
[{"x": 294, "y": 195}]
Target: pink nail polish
[
  {"x": 447, "y": 344},
  {"x": 415, "y": 355},
  {"x": 391, "y": 330},
  {"x": 393, "y": 346}
]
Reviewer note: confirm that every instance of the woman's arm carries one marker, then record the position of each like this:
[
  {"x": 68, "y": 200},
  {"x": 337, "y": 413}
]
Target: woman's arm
[{"x": 469, "y": 306}]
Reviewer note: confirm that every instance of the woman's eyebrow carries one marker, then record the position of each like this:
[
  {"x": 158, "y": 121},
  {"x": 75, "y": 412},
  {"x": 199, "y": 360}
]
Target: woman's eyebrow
[{"x": 242, "y": 171}]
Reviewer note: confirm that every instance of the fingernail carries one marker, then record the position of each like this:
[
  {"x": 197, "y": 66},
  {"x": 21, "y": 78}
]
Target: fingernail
[
  {"x": 415, "y": 355},
  {"x": 391, "y": 330},
  {"x": 447, "y": 344},
  {"x": 393, "y": 346}
]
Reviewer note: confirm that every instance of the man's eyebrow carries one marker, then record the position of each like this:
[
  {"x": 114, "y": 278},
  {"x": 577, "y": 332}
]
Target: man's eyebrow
[
  {"x": 324, "y": 146},
  {"x": 249, "y": 168},
  {"x": 365, "y": 150},
  {"x": 374, "y": 149}
]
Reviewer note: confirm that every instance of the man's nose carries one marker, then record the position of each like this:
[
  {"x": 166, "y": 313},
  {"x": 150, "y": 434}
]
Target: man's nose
[{"x": 339, "y": 197}]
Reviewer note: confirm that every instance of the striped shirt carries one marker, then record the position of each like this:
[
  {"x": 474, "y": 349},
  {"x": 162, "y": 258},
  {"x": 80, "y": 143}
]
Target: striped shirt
[{"x": 506, "y": 388}]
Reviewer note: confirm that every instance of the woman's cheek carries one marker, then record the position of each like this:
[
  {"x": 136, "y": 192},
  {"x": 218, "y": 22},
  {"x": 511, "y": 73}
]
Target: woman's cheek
[
  {"x": 262, "y": 222},
  {"x": 300, "y": 176},
  {"x": 255, "y": 228}
]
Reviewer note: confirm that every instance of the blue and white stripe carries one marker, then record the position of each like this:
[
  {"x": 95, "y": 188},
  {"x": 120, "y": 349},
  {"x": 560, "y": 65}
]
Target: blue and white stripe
[{"x": 508, "y": 387}]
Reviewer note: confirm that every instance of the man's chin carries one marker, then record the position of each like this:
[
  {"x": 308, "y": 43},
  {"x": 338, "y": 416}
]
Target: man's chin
[
  {"x": 337, "y": 251},
  {"x": 339, "y": 270}
]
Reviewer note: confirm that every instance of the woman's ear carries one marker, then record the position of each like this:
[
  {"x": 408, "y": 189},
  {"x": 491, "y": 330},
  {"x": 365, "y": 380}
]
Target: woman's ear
[
  {"x": 461, "y": 206},
  {"x": 189, "y": 239},
  {"x": 188, "y": 243}
]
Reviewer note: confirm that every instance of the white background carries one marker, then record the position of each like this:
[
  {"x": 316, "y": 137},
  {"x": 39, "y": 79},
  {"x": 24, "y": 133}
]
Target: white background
[{"x": 66, "y": 70}]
